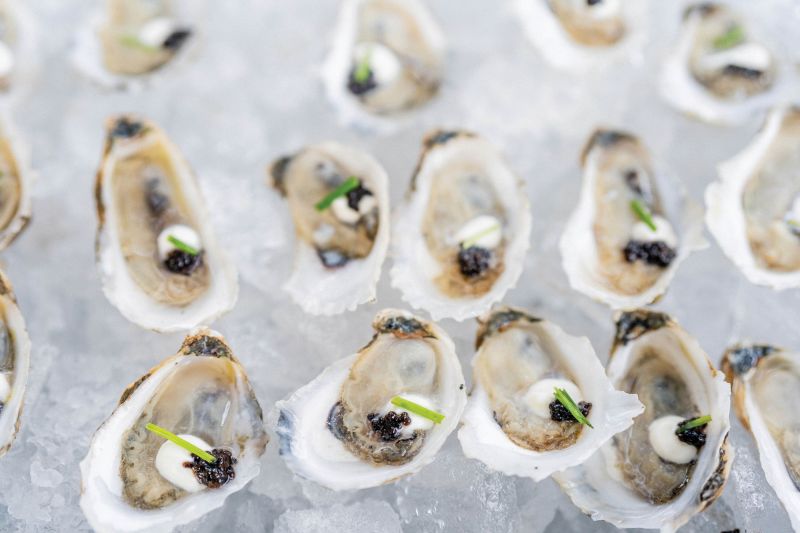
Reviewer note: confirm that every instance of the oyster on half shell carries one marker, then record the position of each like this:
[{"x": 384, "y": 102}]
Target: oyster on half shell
[
  {"x": 460, "y": 238},
  {"x": 512, "y": 422},
  {"x": 201, "y": 393},
  {"x": 157, "y": 255},
  {"x": 754, "y": 209},
  {"x": 15, "y": 353},
  {"x": 342, "y": 429},
  {"x": 766, "y": 392},
  {"x": 658, "y": 474}
]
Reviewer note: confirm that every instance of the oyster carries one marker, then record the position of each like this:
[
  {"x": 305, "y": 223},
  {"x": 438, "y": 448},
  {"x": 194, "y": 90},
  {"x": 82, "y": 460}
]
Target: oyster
[
  {"x": 624, "y": 241},
  {"x": 16, "y": 179},
  {"x": 134, "y": 38},
  {"x": 15, "y": 353},
  {"x": 766, "y": 392},
  {"x": 387, "y": 58},
  {"x": 754, "y": 209},
  {"x": 158, "y": 258},
  {"x": 460, "y": 239},
  {"x": 513, "y": 423},
  {"x": 582, "y": 34},
  {"x": 720, "y": 71},
  {"x": 343, "y": 431},
  {"x": 675, "y": 459},
  {"x": 341, "y": 244},
  {"x": 134, "y": 480}
]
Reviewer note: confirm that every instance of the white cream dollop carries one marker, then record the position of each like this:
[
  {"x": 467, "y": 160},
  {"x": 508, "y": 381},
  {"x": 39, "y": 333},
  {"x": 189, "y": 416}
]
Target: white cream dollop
[
  {"x": 5, "y": 387},
  {"x": 183, "y": 233},
  {"x": 540, "y": 395},
  {"x": 748, "y": 55},
  {"x": 342, "y": 210},
  {"x": 418, "y": 423},
  {"x": 663, "y": 232},
  {"x": 383, "y": 62},
  {"x": 155, "y": 32},
  {"x": 170, "y": 459},
  {"x": 667, "y": 444},
  {"x": 486, "y": 228}
]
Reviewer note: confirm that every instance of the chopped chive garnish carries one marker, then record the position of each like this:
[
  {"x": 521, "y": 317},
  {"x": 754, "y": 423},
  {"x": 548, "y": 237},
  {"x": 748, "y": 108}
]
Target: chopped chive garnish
[
  {"x": 131, "y": 41},
  {"x": 729, "y": 39},
  {"x": 417, "y": 409},
  {"x": 693, "y": 423},
  {"x": 348, "y": 185},
  {"x": 792, "y": 221},
  {"x": 182, "y": 246},
  {"x": 563, "y": 397},
  {"x": 186, "y": 445},
  {"x": 478, "y": 236},
  {"x": 643, "y": 213},
  {"x": 363, "y": 70}
]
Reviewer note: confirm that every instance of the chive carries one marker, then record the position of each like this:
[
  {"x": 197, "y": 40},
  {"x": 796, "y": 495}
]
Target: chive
[
  {"x": 417, "y": 409},
  {"x": 186, "y": 445},
  {"x": 643, "y": 212},
  {"x": 182, "y": 246},
  {"x": 792, "y": 221},
  {"x": 131, "y": 41},
  {"x": 563, "y": 397},
  {"x": 478, "y": 236},
  {"x": 363, "y": 70},
  {"x": 693, "y": 423},
  {"x": 349, "y": 184},
  {"x": 729, "y": 39}
]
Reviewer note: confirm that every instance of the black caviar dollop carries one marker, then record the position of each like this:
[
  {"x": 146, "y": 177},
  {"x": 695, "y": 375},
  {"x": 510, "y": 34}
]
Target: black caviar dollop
[
  {"x": 559, "y": 413},
  {"x": 355, "y": 195},
  {"x": 654, "y": 253},
  {"x": 389, "y": 425},
  {"x": 183, "y": 263},
  {"x": 694, "y": 436},
  {"x": 474, "y": 261},
  {"x": 360, "y": 87},
  {"x": 177, "y": 39},
  {"x": 213, "y": 475}
]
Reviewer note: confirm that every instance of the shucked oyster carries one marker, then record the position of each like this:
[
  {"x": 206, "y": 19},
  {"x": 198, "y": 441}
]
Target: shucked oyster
[
  {"x": 158, "y": 258},
  {"x": 513, "y": 422},
  {"x": 674, "y": 461},
  {"x": 625, "y": 240},
  {"x": 766, "y": 392},
  {"x": 343, "y": 429},
  {"x": 134, "y": 480},
  {"x": 461, "y": 237},
  {"x": 15, "y": 353},
  {"x": 387, "y": 58},
  {"x": 719, "y": 72},
  {"x": 338, "y": 197},
  {"x": 754, "y": 209}
]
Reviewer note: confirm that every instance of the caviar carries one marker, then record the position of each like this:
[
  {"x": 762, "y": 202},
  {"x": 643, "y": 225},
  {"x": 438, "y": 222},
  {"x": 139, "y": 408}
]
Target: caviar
[
  {"x": 559, "y": 413},
  {"x": 389, "y": 425},
  {"x": 694, "y": 436},
  {"x": 361, "y": 87},
  {"x": 355, "y": 195},
  {"x": 213, "y": 475},
  {"x": 654, "y": 253},
  {"x": 474, "y": 261},
  {"x": 181, "y": 262}
]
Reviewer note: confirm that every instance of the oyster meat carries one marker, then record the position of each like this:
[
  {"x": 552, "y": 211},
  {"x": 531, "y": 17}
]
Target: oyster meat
[
  {"x": 345, "y": 431},
  {"x": 624, "y": 241},
  {"x": 766, "y": 392},
  {"x": 460, "y": 239},
  {"x": 674, "y": 460},
  {"x": 754, "y": 209},
  {"x": 15, "y": 353},
  {"x": 387, "y": 59},
  {"x": 513, "y": 422},
  {"x": 342, "y": 237},
  {"x": 158, "y": 258},
  {"x": 132, "y": 479}
]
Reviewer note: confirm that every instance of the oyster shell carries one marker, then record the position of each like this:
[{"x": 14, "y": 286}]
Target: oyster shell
[
  {"x": 16, "y": 180},
  {"x": 147, "y": 197},
  {"x": 18, "y": 37},
  {"x": 754, "y": 209},
  {"x": 15, "y": 353},
  {"x": 341, "y": 431},
  {"x": 608, "y": 250},
  {"x": 444, "y": 260},
  {"x": 628, "y": 482},
  {"x": 581, "y": 35},
  {"x": 721, "y": 71},
  {"x": 387, "y": 59},
  {"x": 518, "y": 357},
  {"x": 203, "y": 391},
  {"x": 766, "y": 391},
  {"x": 340, "y": 248}
]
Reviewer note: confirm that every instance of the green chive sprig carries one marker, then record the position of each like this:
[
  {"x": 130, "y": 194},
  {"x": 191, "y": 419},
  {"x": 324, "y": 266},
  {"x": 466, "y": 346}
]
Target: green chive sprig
[
  {"x": 186, "y": 445},
  {"x": 348, "y": 185},
  {"x": 182, "y": 246},
  {"x": 363, "y": 70},
  {"x": 729, "y": 39},
  {"x": 468, "y": 243},
  {"x": 564, "y": 399},
  {"x": 643, "y": 212},
  {"x": 792, "y": 221},
  {"x": 417, "y": 409},
  {"x": 693, "y": 423},
  {"x": 132, "y": 41}
]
